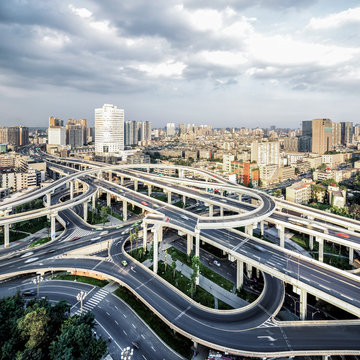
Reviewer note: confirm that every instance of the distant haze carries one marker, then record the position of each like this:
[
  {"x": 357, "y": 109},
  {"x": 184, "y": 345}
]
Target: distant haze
[{"x": 252, "y": 63}]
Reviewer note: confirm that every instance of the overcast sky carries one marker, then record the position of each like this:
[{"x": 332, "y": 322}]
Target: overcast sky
[{"x": 226, "y": 63}]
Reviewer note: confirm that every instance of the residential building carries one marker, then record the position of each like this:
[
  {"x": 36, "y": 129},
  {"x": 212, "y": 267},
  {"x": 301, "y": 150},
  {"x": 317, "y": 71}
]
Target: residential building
[
  {"x": 336, "y": 134},
  {"x": 300, "y": 192},
  {"x": 170, "y": 129},
  {"x": 109, "y": 130},
  {"x": 336, "y": 197},
  {"x": 227, "y": 159},
  {"x": 247, "y": 173},
  {"x": 265, "y": 153},
  {"x": 4, "y": 134},
  {"x": 57, "y": 135},
  {"x": 322, "y": 136},
  {"x": 76, "y": 132},
  {"x": 287, "y": 172}
]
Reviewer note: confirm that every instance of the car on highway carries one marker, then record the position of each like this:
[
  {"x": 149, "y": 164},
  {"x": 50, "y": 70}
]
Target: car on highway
[
  {"x": 144, "y": 203},
  {"x": 215, "y": 262},
  {"x": 124, "y": 263},
  {"x": 135, "y": 345},
  {"x": 223, "y": 200},
  {"x": 184, "y": 217},
  {"x": 119, "y": 226},
  {"x": 31, "y": 260},
  {"x": 29, "y": 253},
  {"x": 342, "y": 235},
  {"x": 75, "y": 238},
  {"x": 30, "y": 292},
  {"x": 104, "y": 233},
  {"x": 99, "y": 228},
  {"x": 167, "y": 219},
  {"x": 95, "y": 238}
]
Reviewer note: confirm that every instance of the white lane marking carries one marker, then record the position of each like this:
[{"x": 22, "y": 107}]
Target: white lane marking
[
  {"x": 133, "y": 326},
  {"x": 266, "y": 337},
  {"x": 153, "y": 348},
  {"x": 182, "y": 313},
  {"x": 124, "y": 316},
  {"x": 112, "y": 339},
  {"x": 124, "y": 332},
  {"x": 116, "y": 322}
]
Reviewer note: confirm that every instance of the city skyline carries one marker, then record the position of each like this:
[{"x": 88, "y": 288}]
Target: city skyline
[{"x": 191, "y": 62}]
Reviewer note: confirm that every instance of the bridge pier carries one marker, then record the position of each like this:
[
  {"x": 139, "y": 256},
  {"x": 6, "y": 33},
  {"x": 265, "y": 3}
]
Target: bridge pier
[
  {"x": 197, "y": 251},
  {"x": 108, "y": 199},
  {"x": 110, "y": 175},
  {"x": 281, "y": 234},
  {"x": 211, "y": 210},
  {"x": 321, "y": 248},
  {"x": 149, "y": 189},
  {"x": 351, "y": 255},
  {"x": 239, "y": 274},
  {"x": 71, "y": 190},
  {"x": 93, "y": 205},
  {"x": 303, "y": 304},
  {"x": 144, "y": 224},
  {"x": 6, "y": 236},
  {"x": 169, "y": 197},
  {"x": 189, "y": 244},
  {"x": 156, "y": 231},
  {"x": 136, "y": 185},
  {"x": 311, "y": 242},
  {"x": 184, "y": 200},
  {"x": 249, "y": 269},
  {"x": 262, "y": 228},
  {"x": 99, "y": 175},
  {"x": 249, "y": 229},
  {"x": 121, "y": 180},
  {"x": 48, "y": 199},
  {"x": 85, "y": 212},
  {"x": 124, "y": 210},
  {"x": 221, "y": 211},
  {"x": 181, "y": 173},
  {"x": 52, "y": 226}
]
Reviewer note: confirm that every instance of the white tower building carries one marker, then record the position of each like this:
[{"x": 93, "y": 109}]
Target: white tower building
[{"x": 109, "y": 130}]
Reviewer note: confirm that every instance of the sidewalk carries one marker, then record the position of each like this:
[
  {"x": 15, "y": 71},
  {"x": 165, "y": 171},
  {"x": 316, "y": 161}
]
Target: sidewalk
[{"x": 217, "y": 291}]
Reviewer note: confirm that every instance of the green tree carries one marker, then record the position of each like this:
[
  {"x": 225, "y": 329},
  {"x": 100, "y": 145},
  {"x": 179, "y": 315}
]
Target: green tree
[
  {"x": 104, "y": 213},
  {"x": 195, "y": 265},
  {"x": 322, "y": 167},
  {"x": 173, "y": 267}
]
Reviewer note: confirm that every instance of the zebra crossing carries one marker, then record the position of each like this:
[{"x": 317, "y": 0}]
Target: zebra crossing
[
  {"x": 267, "y": 323},
  {"x": 93, "y": 301},
  {"x": 78, "y": 232}
]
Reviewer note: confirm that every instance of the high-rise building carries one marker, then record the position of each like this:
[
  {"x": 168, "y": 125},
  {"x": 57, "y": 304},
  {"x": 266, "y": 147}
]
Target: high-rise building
[
  {"x": 76, "y": 132},
  {"x": 131, "y": 133},
  {"x": 321, "y": 136},
  {"x": 347, "y": 132},
  {"x": 56, "y": 132},
  {"x": 147, "y": 130},
  {"x": 4, "y": 132},
  {"x": 305, "y": 140},
  {"x": 336, "y": 134},
  {"x": 170, "y": 129},
  {"x": 109, "y": 129},
  {"x": 265, "y": 153},
  {"x": 182, "y": 129},
  {"x": 23, "y": 135}
]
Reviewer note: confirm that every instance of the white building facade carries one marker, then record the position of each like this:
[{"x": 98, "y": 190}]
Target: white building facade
[
  {"x": 109, "y": 130},
  {"x": 57, "y": 135}
]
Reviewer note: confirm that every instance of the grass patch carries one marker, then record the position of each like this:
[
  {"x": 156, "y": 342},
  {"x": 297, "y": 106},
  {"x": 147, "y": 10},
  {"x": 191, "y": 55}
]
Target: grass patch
[
  {"x": 83, "y": 279},
  {"x": 179, "y": 343},
  {"x": 39, "y": 242},
  {"x": 182, "y": 283}
]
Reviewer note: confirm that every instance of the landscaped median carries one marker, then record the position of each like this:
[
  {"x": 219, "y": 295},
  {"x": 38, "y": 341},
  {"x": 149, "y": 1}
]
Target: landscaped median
[{"x": 39, "y": 242}]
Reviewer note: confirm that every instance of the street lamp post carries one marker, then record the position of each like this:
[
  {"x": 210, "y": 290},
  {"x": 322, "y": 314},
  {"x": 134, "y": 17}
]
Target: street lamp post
[
  {"x": 127, "y": 353},
  {"x": 80, "y": 297},
  {"x": 37, "y": 281},
  {"x": 314, "y": 313}
]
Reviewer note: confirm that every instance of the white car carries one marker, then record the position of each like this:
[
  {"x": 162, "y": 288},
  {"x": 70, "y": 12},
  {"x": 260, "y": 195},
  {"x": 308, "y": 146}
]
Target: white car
[
  {"x": 31, "y": 260},
  {"x": 29, "y": 253},
  {"x": 96, "y": 238},
  {"x": 184, "y": 217},
  {"x": 104, "y": 232},
  {"x": 223, "y": 200},
  {"x": 216, "y": 263}
]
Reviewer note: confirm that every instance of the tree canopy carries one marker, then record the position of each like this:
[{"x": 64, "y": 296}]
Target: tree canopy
[{"x": 38, "y": 330}]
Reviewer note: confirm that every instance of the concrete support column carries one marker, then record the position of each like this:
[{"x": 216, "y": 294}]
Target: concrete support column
[
  {"x": 281, "y": 234},
  {"x": 240, "y": 197},
  {"x": 321, "y": 248},
  {"x": 48, "y": 199},
  {"x": 239, "y": 274},
  {"x": 144, "y": 224},
  {"x": 211, "y": 210},
  {"x": 160, "y": 237},
  {"x": 71, "y": 190},
  {"x": 76, "y": 185},
  {"x": 125, "y": 210},
  {"x": 136, "y": 185},
  {"x": 197, "y": 250},
  {"x": 221, "y": 192},
  {"x": 311, "y": 242},
  {"x": 351, "y": 255},
  {"x": 6, "y": 236},
  {"x": 93, "y": 202},
  {"x": 99, "y": 175},
  {"x": 169, "y": 197},
  {"x": 262, "y": 231},
  {"x": 52, "y": 226},
  {"x": 189, "y": 244},
  {"x": 184, "y": 200},
  {"x": 303, "y": 304},
  {"x": 149, "y": 189},
  {"x": 85, "y": 204},
  {"x": 121, "y": 180},
  {"x": 249, "y": 229},
  {"x": 156, "y": 249},
  {"x": 249, "y": 269},
  {"x": 221, "y": 211},
  {"x": 108, "y": 199},
  {"x": 110, "y": 176},
  {"x": 181, "y": 173}
]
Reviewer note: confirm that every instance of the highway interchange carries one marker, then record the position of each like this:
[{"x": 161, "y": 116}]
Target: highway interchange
[{"x": 248, "y": 331}]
